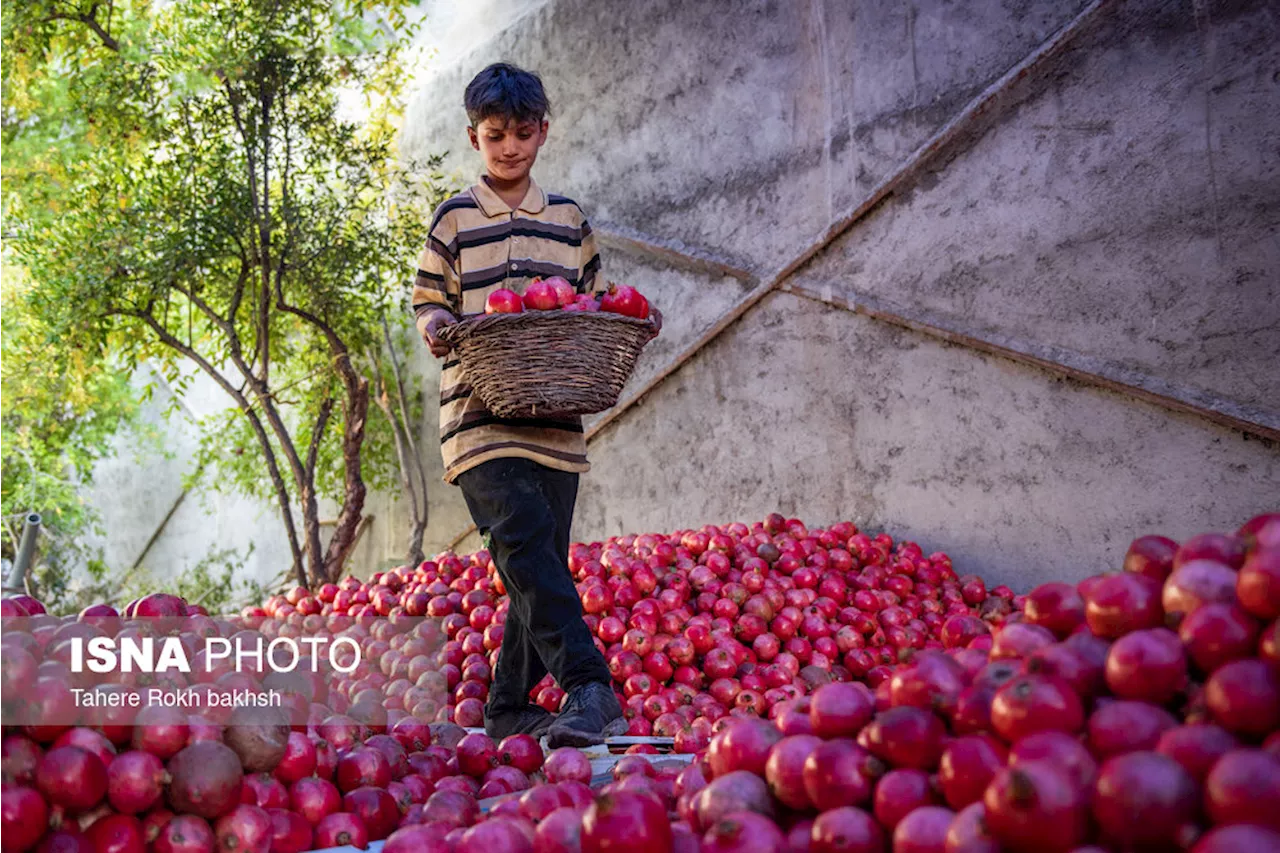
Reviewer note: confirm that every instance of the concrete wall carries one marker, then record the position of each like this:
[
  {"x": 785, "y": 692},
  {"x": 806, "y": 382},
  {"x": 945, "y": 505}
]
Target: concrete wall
[
  {"x": 1112, "y": 210},
  {"x": 140, "y": 493},
  {"x": 1090, "y": 190}
]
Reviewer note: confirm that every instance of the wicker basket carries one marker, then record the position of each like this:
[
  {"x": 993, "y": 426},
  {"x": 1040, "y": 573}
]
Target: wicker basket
[{"x": 548, "y": 363}]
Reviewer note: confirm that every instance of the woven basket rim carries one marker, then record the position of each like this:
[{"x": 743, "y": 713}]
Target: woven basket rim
[
  {"x": 476, "y": 323},
  {"x": 537, "y": 363}
]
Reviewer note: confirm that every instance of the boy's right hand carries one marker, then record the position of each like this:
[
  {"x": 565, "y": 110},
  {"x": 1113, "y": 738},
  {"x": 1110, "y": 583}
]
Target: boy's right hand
[{"x": 435, "y": 321}]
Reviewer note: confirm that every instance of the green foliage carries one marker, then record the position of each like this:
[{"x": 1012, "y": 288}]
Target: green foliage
[
  {"x": 215, "y": 582},
  {"x": 62, "y": 408},
  {"x": 181, "y": 184}
]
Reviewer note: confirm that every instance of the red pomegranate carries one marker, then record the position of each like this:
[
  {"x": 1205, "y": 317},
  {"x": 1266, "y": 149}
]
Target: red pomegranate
[
  {"x": 1244, "y": 697},
  {"x": 205, "y": 779},
  {"x": 1057, "y": 607},
  {"x": 72, "y": 778},
  {"x": 24, "y": 816},
  {"x": 839, "y": 772},
  {"x": 1197, "y": 747},
  {"x": 1151, "y": 556},
  {"x": 567, "y": 765},
  {"x": 1238, "y": 838},
  {"x": 846, "y": 830},
  {"x": 1035, "y": 807},
  {"x": 565, "y": 293},
  {"x": 923, "y": 830},
  {"x": 1217, "y": 633},
  {"x": 290, "y": 832},
  {"x": 1258, "y": 583},
  {"x": 967, "y": 766},
  {"x": 744, "y": 832},
  {"x": 135, "y": 781},
  {"x": 1147, "y": 665},
  {"x": 625, "y": 300},
  {"x": 738, "y": 791},
  {"x": 422, "y": 838},
  {"x": 968, "y": 832},
  {"x": 625, "y": 822},
  {"x": 1145, "y": 800},
  {"x": 540, "y": 296},
  {"x": 244, "y": 829},
  {"x": 840, "y": 709},
  {"x": 784, "y": 769},
  {"x": 1198, "y": 582},
  {"x": 1126, "y": 726},
  {"x": 185, "y": 834},
  {"x": 1060, "y": 750},
  {"x": 1241, "y": 788},
  {"x": 1035, "y": 703},
  {"x": 117, "y": 833},
  {"x": 503, "y": 301},
  {"x": 341, "y": 829},
  {"x": 1120, "y": 603},
  {"x": 906, "y": 737},
  {"x": 376, "y": 809},
  {"x": 900, "y": 792},
  {"x": 743, "y": 745}
]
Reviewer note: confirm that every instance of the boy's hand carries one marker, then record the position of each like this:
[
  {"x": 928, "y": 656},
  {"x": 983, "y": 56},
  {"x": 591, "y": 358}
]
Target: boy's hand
[
  {"x": 655, "y": 317},
  {"x": 434, "y": 322}
]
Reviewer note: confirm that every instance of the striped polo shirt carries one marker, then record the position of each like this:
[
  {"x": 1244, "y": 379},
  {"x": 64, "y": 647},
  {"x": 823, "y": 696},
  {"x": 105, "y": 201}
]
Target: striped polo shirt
[{"x": 478, "y": 244}]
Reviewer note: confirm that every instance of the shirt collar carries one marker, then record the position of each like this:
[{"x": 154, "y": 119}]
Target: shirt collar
[{"x": 491, "y": 204}]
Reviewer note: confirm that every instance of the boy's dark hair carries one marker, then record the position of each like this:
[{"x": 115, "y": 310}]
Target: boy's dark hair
[{"x": 507, "y": 92}]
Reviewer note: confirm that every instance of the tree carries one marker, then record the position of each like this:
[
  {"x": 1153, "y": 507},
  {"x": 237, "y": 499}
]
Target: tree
[
  {"x": 402, "y": 409},
  {"x": 187, "y": 189},
  {"x": 62, "y": 410}
]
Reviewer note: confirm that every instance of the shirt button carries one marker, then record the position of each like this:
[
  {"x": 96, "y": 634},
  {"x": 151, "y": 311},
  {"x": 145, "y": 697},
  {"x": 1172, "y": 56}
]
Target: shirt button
[{"x": 513, "y": 266}]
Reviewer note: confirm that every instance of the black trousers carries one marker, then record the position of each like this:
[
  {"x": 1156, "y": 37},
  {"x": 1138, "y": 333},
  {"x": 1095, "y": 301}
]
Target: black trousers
[{"x": 523, "y": 510}]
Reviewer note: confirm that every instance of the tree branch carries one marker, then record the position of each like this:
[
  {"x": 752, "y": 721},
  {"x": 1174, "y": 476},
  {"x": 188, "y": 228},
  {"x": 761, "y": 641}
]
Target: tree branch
[
  {"x": 260, "y": 432},
  {"x": 90, "y": 19},
  {"x": 286, "y": 209},
  {"x": 382, "y": 398},
  {"x": 252, "y": 169},
  {"x": 264, "y": 223},
  {"x": 317, "y": 435},
  {"x": 401, "y": 398},
  {"x": 237, "y": 295},
  {"x": 357, "y": 410}
]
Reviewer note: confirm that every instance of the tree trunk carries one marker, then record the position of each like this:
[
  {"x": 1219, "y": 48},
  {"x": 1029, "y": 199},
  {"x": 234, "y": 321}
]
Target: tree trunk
[
  {"x": 412, "y": 477},
  {"x": 357, "y": 410}
]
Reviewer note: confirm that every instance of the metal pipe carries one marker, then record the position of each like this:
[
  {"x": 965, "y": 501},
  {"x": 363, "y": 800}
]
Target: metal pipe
[{"x": 26, "y": 551}]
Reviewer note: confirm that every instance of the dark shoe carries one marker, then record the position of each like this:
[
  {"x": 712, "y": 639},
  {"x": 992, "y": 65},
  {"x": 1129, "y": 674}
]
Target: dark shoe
[
  {"x": 529, "y": 720},
  {"x": 589, "y": 714}
]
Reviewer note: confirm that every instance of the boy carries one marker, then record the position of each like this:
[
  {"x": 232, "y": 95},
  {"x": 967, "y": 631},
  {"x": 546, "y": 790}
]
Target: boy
[{"x": 519, "y": 476}]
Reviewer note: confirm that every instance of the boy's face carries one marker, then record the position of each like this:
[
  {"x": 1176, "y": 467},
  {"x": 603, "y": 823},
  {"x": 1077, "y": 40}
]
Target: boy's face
[{"x": 509, "y": 148}]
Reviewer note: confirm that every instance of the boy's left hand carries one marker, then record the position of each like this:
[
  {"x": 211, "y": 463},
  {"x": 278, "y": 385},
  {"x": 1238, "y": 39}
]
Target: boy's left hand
[{"x": 655, "y": 317}]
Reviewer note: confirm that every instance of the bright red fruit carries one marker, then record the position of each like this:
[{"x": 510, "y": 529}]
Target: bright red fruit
[
  {"x": 565, "y": 294},
  {"x": 625, "y": 822},
  {"x": 1036, "y": 807},
  {"x": 626, "y": 300},
  {"x": 1145, "y": 800},
  {"x": 540, "y": 296},
  {"x": 503, "y": 301}
]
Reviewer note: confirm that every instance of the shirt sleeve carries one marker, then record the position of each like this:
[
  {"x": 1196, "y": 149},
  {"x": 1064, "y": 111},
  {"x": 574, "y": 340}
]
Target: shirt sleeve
[
  {"x": 437, "y": 284},
  {"x": 589, "y": 264}
]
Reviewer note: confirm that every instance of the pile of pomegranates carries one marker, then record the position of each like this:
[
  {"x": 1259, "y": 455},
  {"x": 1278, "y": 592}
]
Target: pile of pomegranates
[
  {"x": 1138, "y": 710},
  {"x": 555, "y": 292},
  {"x": 841, "y": 692}
]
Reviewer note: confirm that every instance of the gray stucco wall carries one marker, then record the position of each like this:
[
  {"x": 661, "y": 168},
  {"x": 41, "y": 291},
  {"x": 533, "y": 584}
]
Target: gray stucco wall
[
  {"x": 1100, "y": 196},
  {"x": 1116, "y": 211}
]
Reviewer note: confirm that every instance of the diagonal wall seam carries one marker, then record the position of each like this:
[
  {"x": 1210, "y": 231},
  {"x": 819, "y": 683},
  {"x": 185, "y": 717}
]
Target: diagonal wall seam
[{"x": 1098, "y": 373}]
